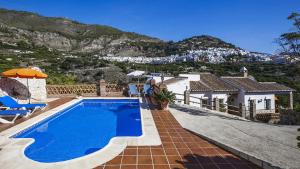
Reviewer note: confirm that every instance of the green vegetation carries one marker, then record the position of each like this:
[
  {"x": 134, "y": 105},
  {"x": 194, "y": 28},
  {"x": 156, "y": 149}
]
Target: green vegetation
[
  {"x": 68, "y": 28},
  {"x": 55, "y": 79},
  {"x": 165, "y": 96},
  {"x": 290, "y": 42},
  {"x": 298, "y": 138}
]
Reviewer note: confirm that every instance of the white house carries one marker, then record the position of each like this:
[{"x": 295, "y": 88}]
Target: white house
[
  {"x": 263, "y": 94},
  {"x": 208, "y": 88},
  {"x": 205, "y": 88}
]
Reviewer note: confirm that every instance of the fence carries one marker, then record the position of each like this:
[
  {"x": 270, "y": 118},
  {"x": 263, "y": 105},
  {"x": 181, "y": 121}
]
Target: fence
[
  {"x": 101, "y": 89},
  {"x": 113, "y": 90},
  {"x": 71, "y": 90},
  {"x": 251, "y": 112},
  {"x": 214, "y": 104}
]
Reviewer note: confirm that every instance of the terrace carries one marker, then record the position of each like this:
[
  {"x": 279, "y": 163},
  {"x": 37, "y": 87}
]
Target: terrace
[
  {"x": 181, "y": 137},
  {"x": 180, "y": 148}
]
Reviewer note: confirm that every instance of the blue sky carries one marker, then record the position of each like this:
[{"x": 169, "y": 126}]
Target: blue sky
[{"x": 250, "y": 24}]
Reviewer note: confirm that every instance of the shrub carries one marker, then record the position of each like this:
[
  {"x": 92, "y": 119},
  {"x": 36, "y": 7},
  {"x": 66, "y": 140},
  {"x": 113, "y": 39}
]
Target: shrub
[{"x": 165, "y": 95}]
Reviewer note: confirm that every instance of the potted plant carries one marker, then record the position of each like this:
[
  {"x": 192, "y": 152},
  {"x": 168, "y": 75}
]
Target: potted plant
[{"x": 165, "y": 97}]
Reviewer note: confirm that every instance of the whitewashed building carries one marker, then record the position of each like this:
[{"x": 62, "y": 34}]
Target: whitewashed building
[
  {"x": 208, "y": 89},
  {"x": 263, "y": 94},
  {"x": 205, "y": 88}
]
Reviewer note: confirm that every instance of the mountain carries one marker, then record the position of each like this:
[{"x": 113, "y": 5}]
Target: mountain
[
  {"x": 203, "y": 42},
  {"x": 23, "y": 32},
  {"x": 70, "y": 36}
]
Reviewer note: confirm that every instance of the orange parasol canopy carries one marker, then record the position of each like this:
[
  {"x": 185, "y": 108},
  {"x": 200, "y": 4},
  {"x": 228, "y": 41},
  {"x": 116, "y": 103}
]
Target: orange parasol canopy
[{"x": 24, "y": 73}]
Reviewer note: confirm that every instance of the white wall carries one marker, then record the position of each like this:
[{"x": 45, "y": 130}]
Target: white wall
[
  {"x": 220, "y": 96},
  {"x": 207, "y": 95},
  {"x": 158, "y": 79},
  {"x": 191, "y": 77},
  {"x": 178, "y": 87},
  {"x": 203, "y": 95},
  {"x": 260, "y": 101}
]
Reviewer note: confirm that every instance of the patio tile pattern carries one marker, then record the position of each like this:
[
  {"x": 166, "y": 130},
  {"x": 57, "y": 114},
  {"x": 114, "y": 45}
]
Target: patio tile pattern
[{"x": 180, "y": 149}]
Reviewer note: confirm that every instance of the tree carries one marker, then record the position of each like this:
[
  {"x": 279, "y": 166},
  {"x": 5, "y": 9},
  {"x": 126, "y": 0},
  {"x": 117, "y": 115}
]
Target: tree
[{"x": 290, "y": 42}]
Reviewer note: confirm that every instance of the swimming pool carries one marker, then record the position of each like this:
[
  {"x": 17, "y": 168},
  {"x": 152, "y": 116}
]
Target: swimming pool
[{"x": 82, "y": 129}]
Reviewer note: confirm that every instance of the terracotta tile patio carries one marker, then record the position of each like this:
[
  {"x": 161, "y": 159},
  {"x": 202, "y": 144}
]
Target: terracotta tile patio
[{"x": 180, "y": 149}]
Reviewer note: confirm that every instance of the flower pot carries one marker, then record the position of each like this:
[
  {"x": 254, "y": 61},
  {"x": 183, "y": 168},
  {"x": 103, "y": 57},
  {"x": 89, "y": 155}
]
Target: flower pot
[{"x": 164, "y": 105}]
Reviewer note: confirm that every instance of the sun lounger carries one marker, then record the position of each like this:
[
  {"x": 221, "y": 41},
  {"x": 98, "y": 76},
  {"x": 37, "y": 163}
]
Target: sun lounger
[
  {"x": 9, "y": 102},
  {"x": 15, "y": 113},
  {"x": 147, "y": 89},
  {"x": 133, "y": 90}
]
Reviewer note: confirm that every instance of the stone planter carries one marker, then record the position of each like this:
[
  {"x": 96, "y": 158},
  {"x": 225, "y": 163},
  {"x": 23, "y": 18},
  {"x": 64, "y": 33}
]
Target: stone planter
[{"x": 163, "y": 105}]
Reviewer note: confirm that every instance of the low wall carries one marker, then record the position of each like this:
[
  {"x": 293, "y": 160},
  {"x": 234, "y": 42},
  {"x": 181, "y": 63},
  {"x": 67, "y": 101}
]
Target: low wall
[
  {"x": 71, "y": 90},
  {"x": 84, "y": 90}
]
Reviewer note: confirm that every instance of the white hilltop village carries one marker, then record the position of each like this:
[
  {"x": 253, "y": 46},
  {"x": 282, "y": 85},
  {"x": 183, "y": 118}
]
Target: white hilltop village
[{"x": 211, "y": 55}]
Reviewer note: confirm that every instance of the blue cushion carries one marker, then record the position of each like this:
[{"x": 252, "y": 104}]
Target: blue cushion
[
  {"x": 10, "y": 102},
  {"x": 13, "y": 112}
]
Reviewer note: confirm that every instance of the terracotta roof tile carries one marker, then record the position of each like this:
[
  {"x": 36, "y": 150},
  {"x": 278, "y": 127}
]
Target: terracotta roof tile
[
  {"x": 210, "y": 82},
  {"x": 198, "y": 86},
  {"x": 250, "y": 85}
]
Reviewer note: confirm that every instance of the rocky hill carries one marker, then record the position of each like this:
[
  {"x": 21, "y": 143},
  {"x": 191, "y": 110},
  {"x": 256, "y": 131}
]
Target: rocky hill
[
  {"x": 203, "y": 42},
  {"x": 70, "y": 36},
  {"x": 25, "y": 33}
]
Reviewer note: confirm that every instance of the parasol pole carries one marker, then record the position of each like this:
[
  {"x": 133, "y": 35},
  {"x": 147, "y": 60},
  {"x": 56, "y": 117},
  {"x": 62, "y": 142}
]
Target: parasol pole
[
  {"x": 28, "y": 91},
  {"x": 139, "y": 85}
]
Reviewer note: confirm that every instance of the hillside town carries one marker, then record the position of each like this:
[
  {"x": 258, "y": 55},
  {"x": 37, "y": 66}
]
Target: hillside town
[{"x": 210, "y": 55}]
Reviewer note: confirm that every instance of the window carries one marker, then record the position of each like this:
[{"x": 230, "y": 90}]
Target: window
[{"x": 268, "y": 104}]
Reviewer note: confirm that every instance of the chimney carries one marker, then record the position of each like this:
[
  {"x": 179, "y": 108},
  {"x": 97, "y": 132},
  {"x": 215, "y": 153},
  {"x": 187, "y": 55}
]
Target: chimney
[{"x": 244, "y": 71}]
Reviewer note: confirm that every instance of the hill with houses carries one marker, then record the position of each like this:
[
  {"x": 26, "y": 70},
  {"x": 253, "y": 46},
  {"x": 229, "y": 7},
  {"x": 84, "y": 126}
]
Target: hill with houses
[{"x": 24, "y": 32}]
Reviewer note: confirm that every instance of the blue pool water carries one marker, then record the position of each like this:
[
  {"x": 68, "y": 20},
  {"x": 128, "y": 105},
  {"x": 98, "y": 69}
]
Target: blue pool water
[{"x": 82, "y": 129}]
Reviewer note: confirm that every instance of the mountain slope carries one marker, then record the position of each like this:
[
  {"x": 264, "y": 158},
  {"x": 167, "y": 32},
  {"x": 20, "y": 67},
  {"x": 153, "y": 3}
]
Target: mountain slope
[
  {"x": 203, "y": 42},
  {"x": 70, "y": 36}
]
